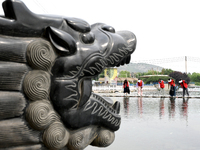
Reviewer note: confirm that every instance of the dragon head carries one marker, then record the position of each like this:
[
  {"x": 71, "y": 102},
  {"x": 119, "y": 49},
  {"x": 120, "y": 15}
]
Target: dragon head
[
  {"x": 71, "y": 90},
  {"x": 61, "y": 55}
]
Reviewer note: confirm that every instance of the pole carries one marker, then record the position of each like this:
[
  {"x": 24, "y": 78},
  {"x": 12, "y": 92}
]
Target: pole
[{"x": 186, "y": 64}]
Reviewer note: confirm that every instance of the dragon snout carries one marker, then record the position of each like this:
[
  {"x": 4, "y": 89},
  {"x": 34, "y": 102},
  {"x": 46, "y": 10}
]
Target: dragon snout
[
  {"x": 130, "y": 39},
  {"x": 130, "y": 42}
]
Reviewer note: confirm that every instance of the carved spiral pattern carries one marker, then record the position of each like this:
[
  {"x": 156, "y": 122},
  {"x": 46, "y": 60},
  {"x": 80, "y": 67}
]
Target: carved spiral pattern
[
  {"x": 40, "y": 114},
  {"x": 104, "y": 139},
  {"x": 40, "y": 55},
  {"x": 56, "y": 136},
  {"x": 76, "y": 141},
  {"x": 37, "y": 85}
]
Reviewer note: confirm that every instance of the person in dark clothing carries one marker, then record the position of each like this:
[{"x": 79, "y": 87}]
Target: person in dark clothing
[
  {"x": 172, "y": 84},
  {"x": 126, "y": 87}
]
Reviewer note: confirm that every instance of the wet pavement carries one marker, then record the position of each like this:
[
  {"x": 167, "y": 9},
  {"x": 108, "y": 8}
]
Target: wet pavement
[
  {"x": 157, "y": 124},
  {"x": 152, "y": 94}
]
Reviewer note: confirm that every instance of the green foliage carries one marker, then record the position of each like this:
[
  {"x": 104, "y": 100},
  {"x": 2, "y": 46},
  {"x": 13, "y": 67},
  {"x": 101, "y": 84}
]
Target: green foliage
[
  {"x": 102, "y": 74},
  {"x": 150, "y": 72},
  {"x": 197, "y": 83},
  {"x": 154, "y": 72},
  {"x": 154, "y": 79},
  {"x": 195, "y": 77},
  {"x": 166, "y": 71},
  {"x": 139, "y": 74},
  {"x": 124, "y": 74},
  {"x": 163, "y": 72}
]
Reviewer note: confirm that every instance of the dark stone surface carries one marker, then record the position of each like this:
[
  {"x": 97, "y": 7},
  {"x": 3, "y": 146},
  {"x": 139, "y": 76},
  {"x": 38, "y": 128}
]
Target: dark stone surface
[{"x": 52, "y": 60}]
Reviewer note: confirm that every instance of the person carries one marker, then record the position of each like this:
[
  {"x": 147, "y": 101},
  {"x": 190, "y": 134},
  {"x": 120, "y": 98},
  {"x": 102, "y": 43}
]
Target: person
[
  {"x": 162, "y": 86},
  {"x": 172, "y": 91},
  {"x": 139, "y": 85},
  {"x": 184, "y": 85},
  {"x": 126, "y": 87}
]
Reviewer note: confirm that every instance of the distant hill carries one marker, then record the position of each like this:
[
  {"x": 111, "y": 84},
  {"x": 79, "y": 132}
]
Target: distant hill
[{"x": 139, "y": 67}]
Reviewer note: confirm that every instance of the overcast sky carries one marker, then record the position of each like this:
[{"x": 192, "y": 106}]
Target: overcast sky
[{"x": 164, "y": 28}]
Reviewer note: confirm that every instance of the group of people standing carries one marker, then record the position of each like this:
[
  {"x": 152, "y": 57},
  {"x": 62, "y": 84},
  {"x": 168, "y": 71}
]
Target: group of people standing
[{"x": 171, "y": 83}]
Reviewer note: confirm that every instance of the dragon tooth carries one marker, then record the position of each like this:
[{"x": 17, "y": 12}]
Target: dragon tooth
[
  {"x": 112, "y": 120},
  {"x": 117, "y": 56},
  {"x": 104, "y": 117},
  {"x": 88, "y": 106},
  {"x": 100, "y": 112},
  {"x": 110, "y": 60},
  {"x": 95, "y": 109},
  {"x": 103, "y": 62},
  {"x": 117, "y": 122}
]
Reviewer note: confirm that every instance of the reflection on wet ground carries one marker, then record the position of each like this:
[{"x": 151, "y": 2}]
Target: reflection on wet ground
[{"x": 157, "y": 124}]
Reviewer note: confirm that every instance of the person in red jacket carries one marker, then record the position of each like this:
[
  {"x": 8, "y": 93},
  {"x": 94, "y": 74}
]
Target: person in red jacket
[
  {"x": 172, "y": 84},
  {"x": 139, "y": 85},
  {"x": 126, "y": 87},
  {"x": 184, "y": 86},
  {"x": 162, "y": 86}
]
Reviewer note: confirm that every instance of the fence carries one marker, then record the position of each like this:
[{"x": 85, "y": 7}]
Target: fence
[{"x": 115, "y": 88}]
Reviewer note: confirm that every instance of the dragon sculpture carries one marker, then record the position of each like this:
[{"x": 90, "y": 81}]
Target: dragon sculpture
[{"x": 46, "y": 67}]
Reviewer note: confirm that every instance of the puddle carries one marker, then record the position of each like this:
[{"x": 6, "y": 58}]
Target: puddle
[{"x": 157, "y": 124}]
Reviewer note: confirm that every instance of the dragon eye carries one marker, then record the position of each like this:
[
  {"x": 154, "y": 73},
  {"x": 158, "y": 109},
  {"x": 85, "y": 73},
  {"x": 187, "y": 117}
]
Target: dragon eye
[
  {"x": 88, "y": 38},
  {"x": 108, "y": 28}
]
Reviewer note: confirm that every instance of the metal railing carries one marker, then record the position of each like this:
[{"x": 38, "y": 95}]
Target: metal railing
[{"x": 118, "y": 88}]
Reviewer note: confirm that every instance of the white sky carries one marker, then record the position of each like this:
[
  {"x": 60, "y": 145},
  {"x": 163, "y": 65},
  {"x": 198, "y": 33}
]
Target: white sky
[{"x": 164, "y": 28}]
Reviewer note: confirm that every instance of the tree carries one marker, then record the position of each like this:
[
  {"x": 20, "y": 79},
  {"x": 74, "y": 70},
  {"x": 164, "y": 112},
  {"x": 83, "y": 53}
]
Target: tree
[
  {"x": 154, "y": 79},
  {"x": 178, "y": 75},
  {"x": 166, "y": 71},
  {"x": 195, "y": 77},
  {"x": 101, "y": 75},
  {"x": 124, "y": 74}
]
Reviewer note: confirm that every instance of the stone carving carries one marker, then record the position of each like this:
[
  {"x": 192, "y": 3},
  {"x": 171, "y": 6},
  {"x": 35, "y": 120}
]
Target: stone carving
[{"x": 46, "y": 66}]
